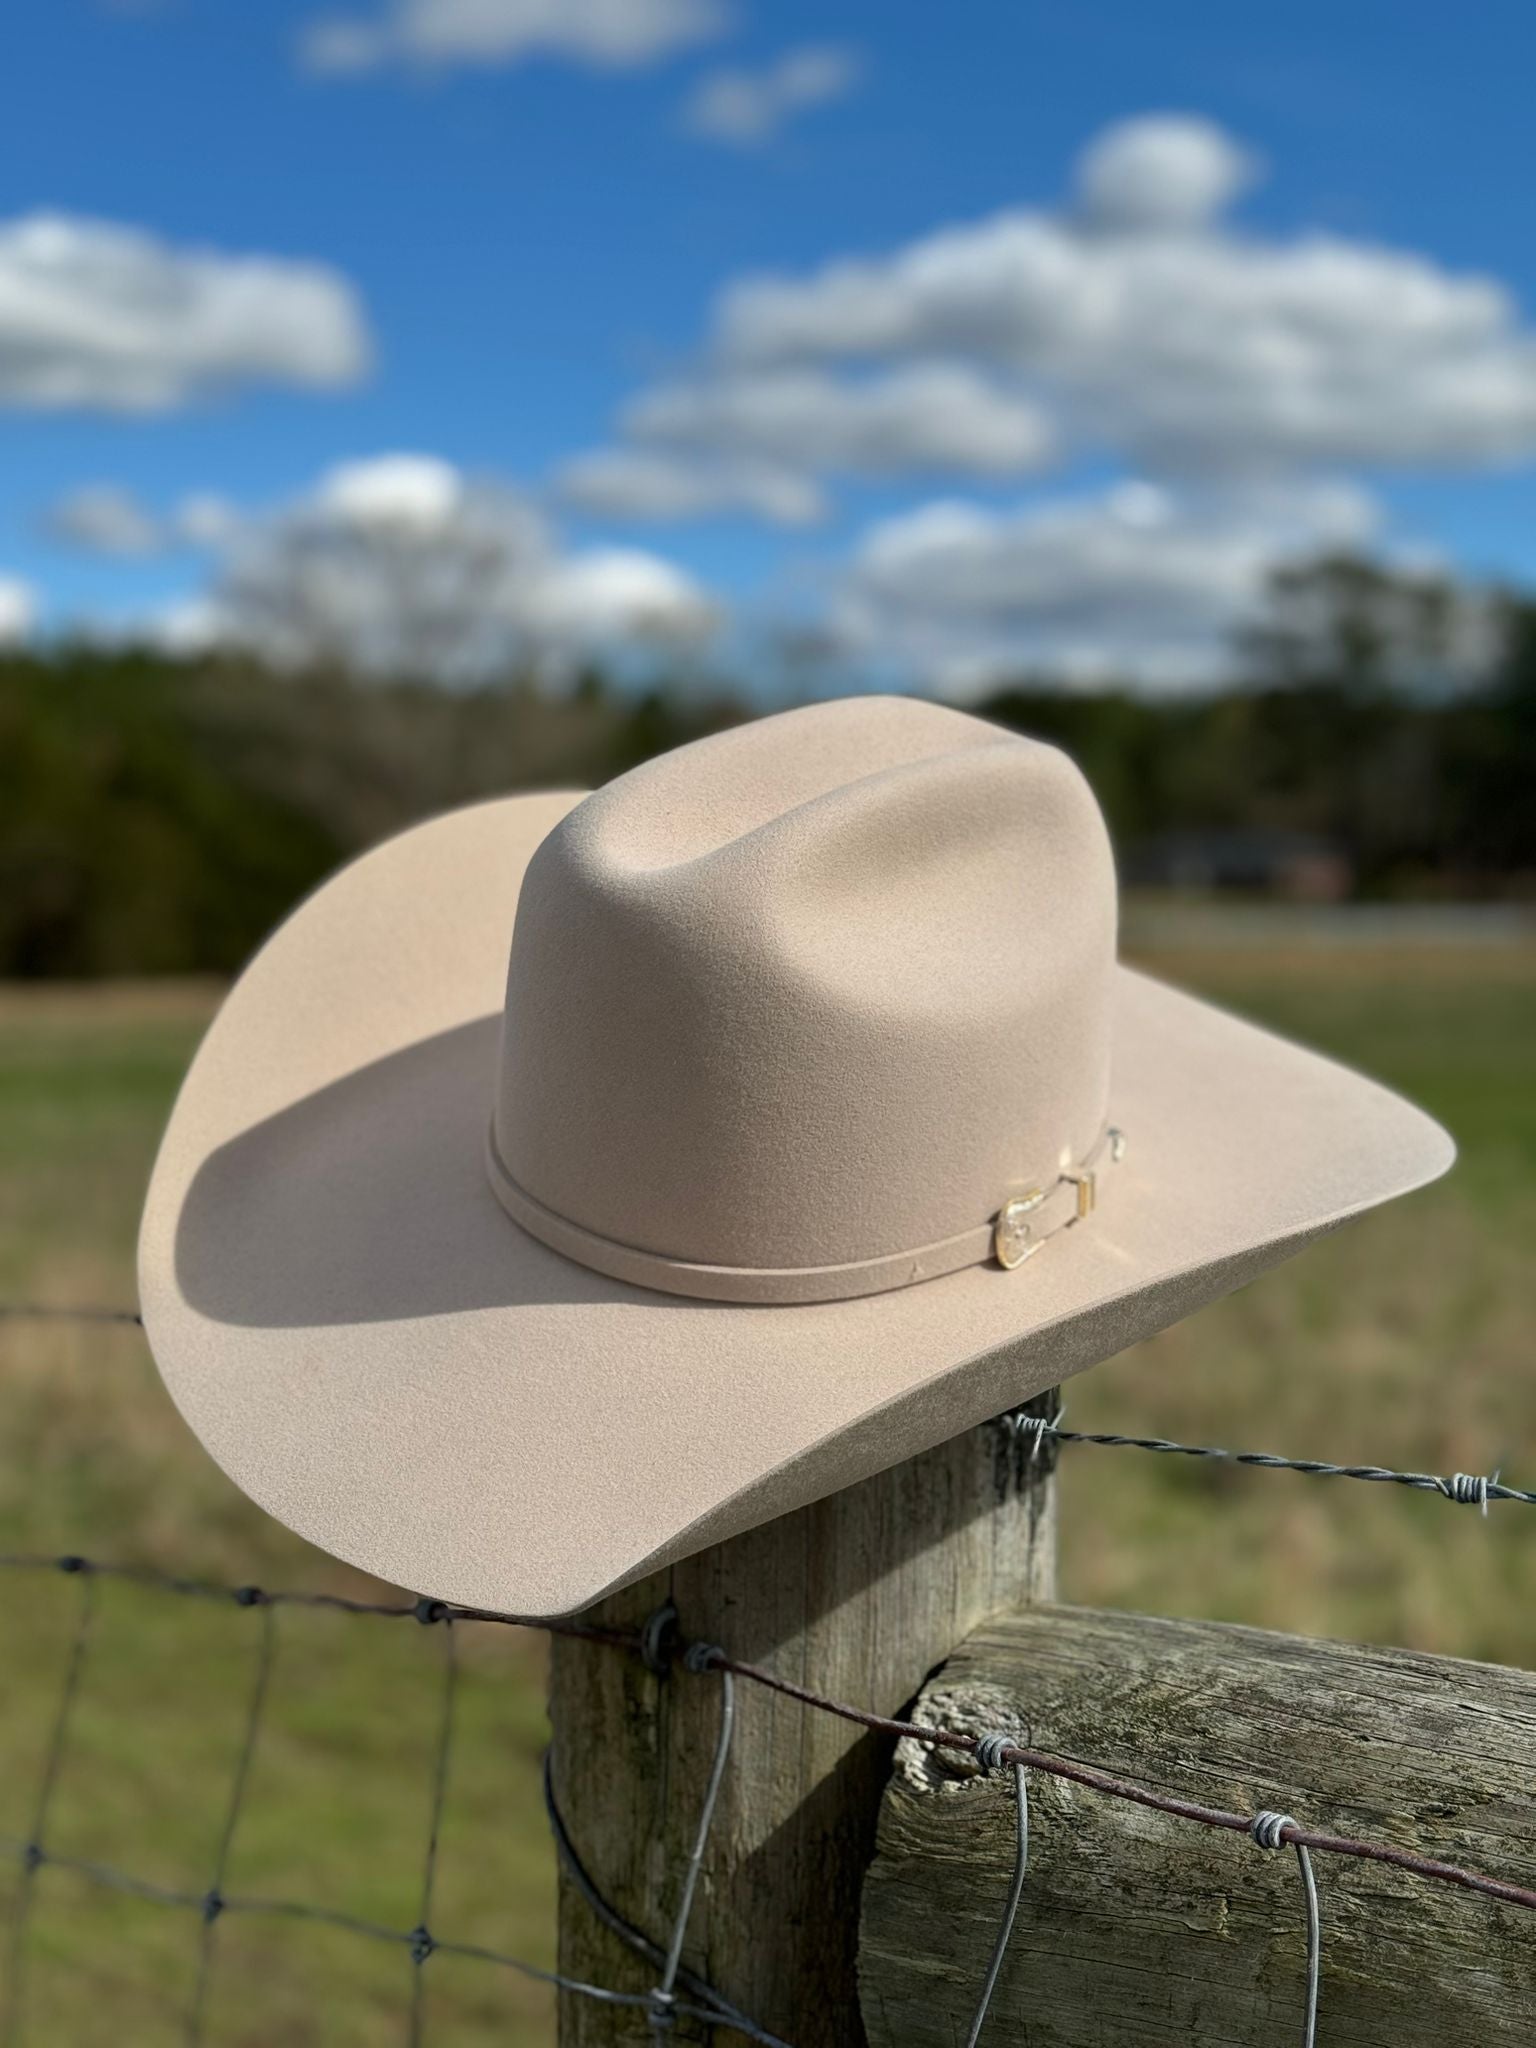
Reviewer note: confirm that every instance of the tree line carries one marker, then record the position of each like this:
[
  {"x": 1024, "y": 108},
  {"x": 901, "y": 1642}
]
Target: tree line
[{"x": 159, "y": 814}]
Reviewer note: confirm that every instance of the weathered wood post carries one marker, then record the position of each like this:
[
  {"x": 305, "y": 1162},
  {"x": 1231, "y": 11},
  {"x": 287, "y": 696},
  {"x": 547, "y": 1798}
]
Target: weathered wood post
[
  {"x": 859, "y": 1597},
  {"x": 1140, "y": 1929}
]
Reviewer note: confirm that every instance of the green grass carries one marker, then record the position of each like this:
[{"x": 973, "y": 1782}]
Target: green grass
[
  {"x": 96, "y": 1460},
  {"x": 1404, "y": 1340}
]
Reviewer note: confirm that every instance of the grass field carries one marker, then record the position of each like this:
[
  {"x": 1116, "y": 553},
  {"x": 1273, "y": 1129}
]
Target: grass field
[{"x": 1403, "y": 1340}]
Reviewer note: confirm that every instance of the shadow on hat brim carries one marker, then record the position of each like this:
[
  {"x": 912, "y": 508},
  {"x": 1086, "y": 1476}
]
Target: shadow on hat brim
[{"x": 384, "y": 1361}]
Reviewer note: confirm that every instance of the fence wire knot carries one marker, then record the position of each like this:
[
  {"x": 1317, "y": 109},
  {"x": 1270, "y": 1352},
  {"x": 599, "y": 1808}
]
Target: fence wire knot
[
  {"x": 1470, "y": 1489},
  {"x": 1036, "y": 1427},
  {"x": 990, "y": 1749},
  {"x": 1268, "y": 1828}
]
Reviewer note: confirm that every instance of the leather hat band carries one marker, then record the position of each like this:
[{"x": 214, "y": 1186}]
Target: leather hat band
[{"x": 1018, "y": 1230}]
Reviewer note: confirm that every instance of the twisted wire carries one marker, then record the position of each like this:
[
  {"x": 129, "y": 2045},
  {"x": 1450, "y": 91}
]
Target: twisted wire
[
  {"x": 698, "y": 1660},
  {"x": 1466, "y": 1489},
  {"x": 1270, "y": 1830},
  {"x": 991, "y": 1754}
]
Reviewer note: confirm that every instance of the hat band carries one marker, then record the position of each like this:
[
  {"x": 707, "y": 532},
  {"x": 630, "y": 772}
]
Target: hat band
[{"x": 1014, "y": 1234}]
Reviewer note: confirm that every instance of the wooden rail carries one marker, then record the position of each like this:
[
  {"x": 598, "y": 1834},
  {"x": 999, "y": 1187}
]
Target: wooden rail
[{"x": 1138, "y": 1928}]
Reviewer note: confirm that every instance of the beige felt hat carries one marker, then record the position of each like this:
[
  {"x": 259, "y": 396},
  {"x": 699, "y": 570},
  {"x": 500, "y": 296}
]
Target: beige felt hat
[{"x": 813, "y": 1123}]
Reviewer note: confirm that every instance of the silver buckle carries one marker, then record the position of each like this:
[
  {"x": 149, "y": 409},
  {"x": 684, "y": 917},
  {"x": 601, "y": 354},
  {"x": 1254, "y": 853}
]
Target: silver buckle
[{"x": 1013, "y": 1238}]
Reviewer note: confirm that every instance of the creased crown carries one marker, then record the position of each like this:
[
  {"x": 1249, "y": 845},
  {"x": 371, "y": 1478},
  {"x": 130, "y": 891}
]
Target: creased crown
[{"x": 824, "y": 989}]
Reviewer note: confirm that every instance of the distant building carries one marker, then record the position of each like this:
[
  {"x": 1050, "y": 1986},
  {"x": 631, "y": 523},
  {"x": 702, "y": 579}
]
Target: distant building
[{"x": 1302, "y": 867}]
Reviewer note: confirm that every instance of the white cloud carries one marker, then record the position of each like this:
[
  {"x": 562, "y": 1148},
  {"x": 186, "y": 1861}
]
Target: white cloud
[
  {"x": 401, "y": 493},
  {"x": 1133, "y": 324},
  {"x": 1151, "y": 328},
  {"x": 205, "y": 519},
  {"x": 921, "y": 417},
  {"x": 1161, "y": 171},
  {"x": 645, "y": 484},
  {"x": 105, "y": 520},
  {"x": 1134, "y": 581},
  {"x": 747, "y": 108},
  {"x": 402, "y": 565},
  {"x": 94, "y": 314},
  {"x": 756, "y": 440},
  {"x": 611, "y": 595},
  {"x": 18, "y": 610},
  {"x": 442, "y": 34}
]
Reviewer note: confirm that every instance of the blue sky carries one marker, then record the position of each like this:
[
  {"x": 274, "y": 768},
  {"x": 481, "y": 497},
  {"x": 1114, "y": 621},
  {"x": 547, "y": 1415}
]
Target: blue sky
[{"x": 521, "y": 235}]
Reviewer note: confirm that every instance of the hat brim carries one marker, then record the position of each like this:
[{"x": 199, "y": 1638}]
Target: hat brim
[{"x": 384, "y": 1361}]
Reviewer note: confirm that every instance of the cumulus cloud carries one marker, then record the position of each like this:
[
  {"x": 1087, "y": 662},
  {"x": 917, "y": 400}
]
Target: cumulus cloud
[
  {"x": 757, "y": 440},
  {"x": 442, "y": 34},
  {"x": 1161, "y": 172},
  {"x": 408, "y": 494},
  {"x": 1134, "y": 324},
  {"x": 605, "y": 596},
  {"x": 95, "y": 314},
  {"x": 647, "y": 484},
  {"x": 1135, "y": 581},
  {"x": 1151, "y": 327},
  {"x": 747, "y": 108},
  {"x": 403, "y": 565},
  {"x": 18, "y": 610},
  {"x": 922, "y": 417}
]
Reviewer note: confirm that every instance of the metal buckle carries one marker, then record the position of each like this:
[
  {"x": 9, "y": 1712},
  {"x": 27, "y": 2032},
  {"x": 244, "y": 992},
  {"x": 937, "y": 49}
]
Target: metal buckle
[
  {"x": 1087, "y": 1185},
  {"x": 1013, "y": 1238}
]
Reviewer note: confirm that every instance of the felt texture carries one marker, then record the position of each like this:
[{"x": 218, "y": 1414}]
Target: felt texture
[
  {"x": 818, "y": 991},
  {"x": 382, "y": 1358}
]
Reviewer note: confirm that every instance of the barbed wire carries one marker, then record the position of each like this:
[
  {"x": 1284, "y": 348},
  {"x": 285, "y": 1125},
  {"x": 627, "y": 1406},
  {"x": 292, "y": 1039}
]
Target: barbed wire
[{"x": 1467, "y": 1489}]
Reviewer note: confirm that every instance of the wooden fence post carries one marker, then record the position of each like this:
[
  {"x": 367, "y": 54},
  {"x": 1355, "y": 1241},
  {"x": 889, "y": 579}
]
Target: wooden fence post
[
  {"x": 858, "y": 1596},
  {"x": 1137, "y": 1928}
]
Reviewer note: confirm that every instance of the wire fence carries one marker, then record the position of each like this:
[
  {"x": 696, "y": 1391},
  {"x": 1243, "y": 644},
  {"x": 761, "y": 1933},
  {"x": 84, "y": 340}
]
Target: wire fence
[{"x": 677, "y": 1992}]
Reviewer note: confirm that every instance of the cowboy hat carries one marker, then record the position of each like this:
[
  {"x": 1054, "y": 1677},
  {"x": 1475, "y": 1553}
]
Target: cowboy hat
[{"x": 812, "y": 1123}]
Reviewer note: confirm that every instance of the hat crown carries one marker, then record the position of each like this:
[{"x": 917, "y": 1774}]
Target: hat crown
[{"x": 819, "y": 990}]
